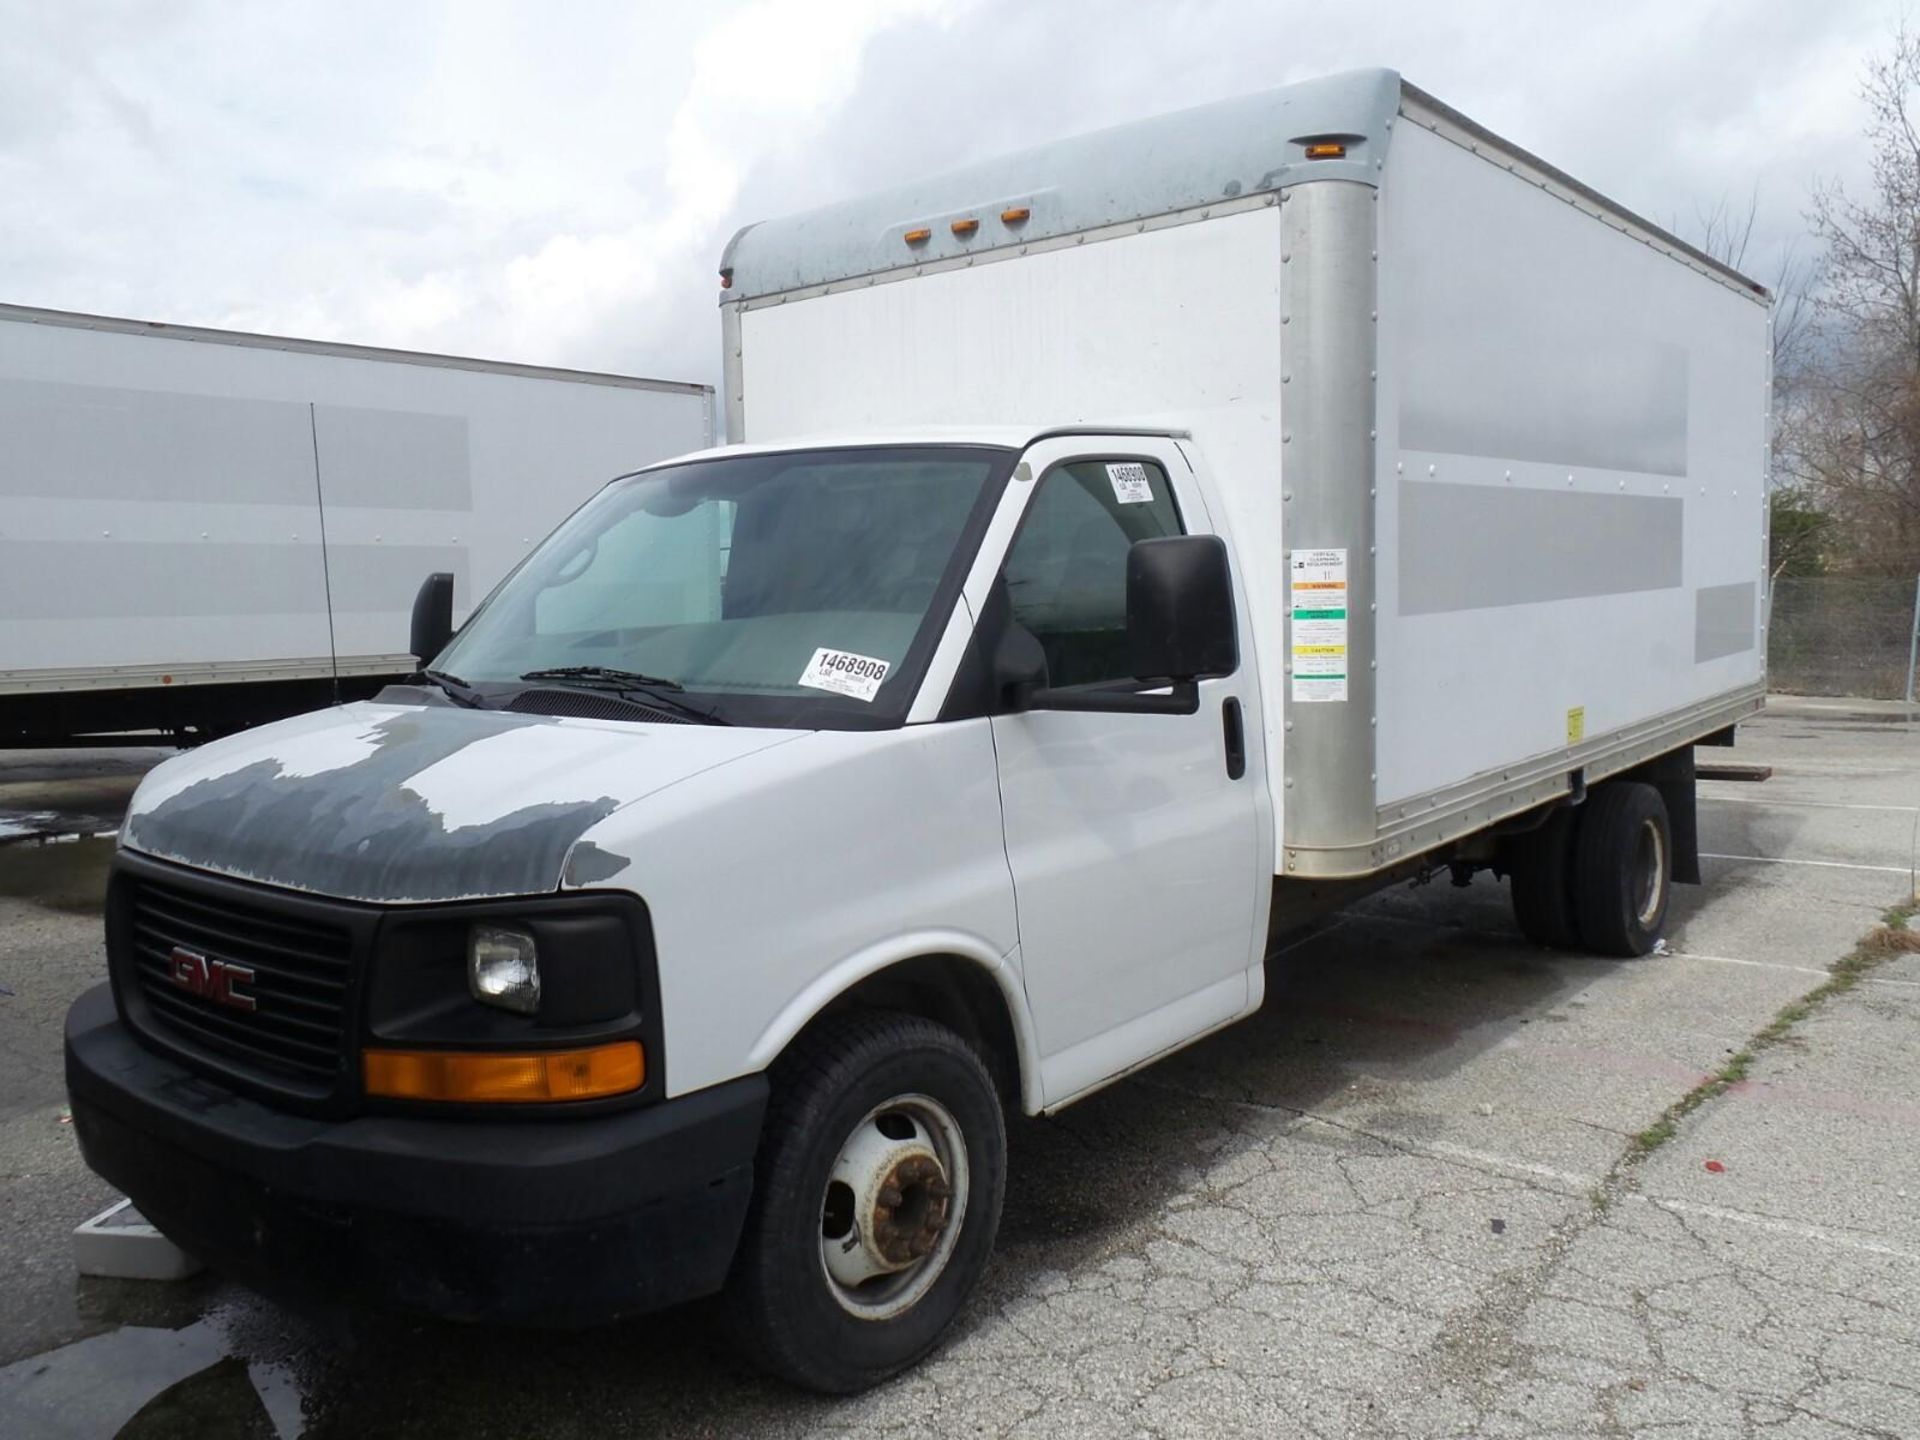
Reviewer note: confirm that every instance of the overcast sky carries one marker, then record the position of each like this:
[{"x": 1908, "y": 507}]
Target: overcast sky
[{"x": 553, "y": 182}]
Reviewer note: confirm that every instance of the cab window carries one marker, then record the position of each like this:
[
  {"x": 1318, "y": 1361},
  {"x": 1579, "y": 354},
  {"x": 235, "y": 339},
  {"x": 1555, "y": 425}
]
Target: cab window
[{"x": 1066, "y": 574}]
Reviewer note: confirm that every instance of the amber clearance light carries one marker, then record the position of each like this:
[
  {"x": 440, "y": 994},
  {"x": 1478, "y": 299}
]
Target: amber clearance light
[{"x": 488, "y": 1077}]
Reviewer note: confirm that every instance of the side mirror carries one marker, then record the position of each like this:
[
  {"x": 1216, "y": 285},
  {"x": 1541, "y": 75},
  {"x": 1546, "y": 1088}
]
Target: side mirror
[
  {"x": 1019, "y": 664},
  {"x": 432, "y": 617},
  {"x": 1180, "y": 609}
]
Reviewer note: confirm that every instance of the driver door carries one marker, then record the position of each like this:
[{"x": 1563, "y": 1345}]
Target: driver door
[{"x": 1133, "y": 838}]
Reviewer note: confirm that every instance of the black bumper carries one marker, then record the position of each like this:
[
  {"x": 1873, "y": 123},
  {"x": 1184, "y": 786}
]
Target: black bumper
[{"x": 562, "y": 1222}]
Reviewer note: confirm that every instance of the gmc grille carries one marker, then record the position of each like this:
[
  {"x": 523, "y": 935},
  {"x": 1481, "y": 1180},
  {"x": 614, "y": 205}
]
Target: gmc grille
[{"x": 296, "y": 1031}]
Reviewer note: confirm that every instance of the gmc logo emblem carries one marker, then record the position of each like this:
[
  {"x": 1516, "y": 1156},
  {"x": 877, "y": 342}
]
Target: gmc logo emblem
[{"x": 213, "y": 980}]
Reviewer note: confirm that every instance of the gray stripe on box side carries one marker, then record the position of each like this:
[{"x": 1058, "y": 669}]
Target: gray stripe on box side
[
  {"x": 100, "y": 442},
  {"x": 109, "y": 579},
  {"x": 1599, "y": 403},
  {"x": 62, "y": 579},
  {"x": 97, "y": 442},
  {"x": 1723, "y": 618},
  {"x": 1471, "y": 547},
  {"x": 393, "y": 459},
  {"x": 368, "y": 579}
]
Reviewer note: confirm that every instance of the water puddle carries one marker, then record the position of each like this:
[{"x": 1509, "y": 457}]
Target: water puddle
[
  {"x": 65, "y": 872},
  {"x": 142, "y": 1382},
  {"x": 52, "y": 796},
  {"x": 47, "y": 828}
]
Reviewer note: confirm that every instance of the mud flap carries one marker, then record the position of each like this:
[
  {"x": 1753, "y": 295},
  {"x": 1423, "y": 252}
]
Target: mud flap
[{"x": 1673, "y": 776}]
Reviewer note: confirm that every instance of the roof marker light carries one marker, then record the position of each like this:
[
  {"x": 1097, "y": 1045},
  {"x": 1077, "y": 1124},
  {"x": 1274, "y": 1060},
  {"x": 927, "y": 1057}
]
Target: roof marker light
[
  {"x": 964, "y": 228},
  {"x": 918, "y": 237},
  {"x": 1326, "y": 150},
  {"x": 1018, "y": 215}
]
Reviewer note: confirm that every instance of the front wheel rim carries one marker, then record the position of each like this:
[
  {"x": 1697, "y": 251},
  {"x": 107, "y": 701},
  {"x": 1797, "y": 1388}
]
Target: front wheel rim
[{"x": 894, "y": 1206}]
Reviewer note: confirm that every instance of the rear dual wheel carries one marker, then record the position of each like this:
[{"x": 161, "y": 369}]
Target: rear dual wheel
[
  {"x": 1540, "y": 866},
  {"x": 1597, "y": 876}
]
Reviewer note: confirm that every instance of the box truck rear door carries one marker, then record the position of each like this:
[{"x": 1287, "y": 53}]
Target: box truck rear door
[{"x": 1131, "y": 839}]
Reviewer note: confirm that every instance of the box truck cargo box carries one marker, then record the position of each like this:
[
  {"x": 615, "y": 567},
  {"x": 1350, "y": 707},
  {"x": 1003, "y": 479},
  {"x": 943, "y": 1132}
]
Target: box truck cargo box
[
  {"x": 201, "y": 529},
  {"x": 1492, "y": 450},
  {"x": 1227, "y": 515}
]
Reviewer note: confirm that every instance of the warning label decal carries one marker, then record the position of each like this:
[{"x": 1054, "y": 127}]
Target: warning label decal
[{"x": 1317, "y": 586}]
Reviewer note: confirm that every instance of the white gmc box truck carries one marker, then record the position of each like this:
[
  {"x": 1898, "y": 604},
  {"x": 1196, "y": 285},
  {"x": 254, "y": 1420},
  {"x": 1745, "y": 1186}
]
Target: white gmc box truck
[
  {"x": 202, "y": 529},
  {"x": 1224, "y": 515}
]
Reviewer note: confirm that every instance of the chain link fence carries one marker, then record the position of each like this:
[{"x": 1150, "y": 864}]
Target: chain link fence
[{"x": 1841, "y": 635}]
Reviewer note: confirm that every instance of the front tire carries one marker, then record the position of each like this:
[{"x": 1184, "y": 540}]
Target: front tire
[
  {"x": 877, "y": 1194},
  {"x": 1622, "y": 869}
]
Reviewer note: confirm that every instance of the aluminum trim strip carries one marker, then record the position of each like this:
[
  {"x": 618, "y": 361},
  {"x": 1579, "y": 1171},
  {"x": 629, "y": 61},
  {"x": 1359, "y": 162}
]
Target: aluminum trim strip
[
  {"x": 246, "y": 339},
  {"x": 1423, "y": 823}
]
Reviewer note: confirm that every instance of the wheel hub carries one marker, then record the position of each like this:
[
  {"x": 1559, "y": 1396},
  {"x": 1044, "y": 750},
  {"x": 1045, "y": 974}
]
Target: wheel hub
[
  {"x": 909, "y": 1211},
  {"x": 896, "y": 1198}
]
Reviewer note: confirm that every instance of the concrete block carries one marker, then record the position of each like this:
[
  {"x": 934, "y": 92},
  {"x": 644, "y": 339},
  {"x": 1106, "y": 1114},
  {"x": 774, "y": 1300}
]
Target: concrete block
[{"x": 119, "y": 1243}]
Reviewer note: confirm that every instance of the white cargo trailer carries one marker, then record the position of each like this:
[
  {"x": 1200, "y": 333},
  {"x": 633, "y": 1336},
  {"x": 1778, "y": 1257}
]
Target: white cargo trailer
[
  {"x": 1232, "y": 513},
  {"x": 201, "y": 529},
  {"x": 1519, "y": 432}
]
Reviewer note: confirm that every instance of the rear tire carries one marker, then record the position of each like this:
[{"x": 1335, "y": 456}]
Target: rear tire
[
  {"x": 1540, "y": 866},
  {"x": 1622, "y": 869},
  {"x": 877, "y": 1194}
]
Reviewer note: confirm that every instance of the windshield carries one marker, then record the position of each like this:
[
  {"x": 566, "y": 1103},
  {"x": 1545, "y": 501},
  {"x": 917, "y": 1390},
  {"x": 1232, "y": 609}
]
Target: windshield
[{"x": 783, "y": 589}]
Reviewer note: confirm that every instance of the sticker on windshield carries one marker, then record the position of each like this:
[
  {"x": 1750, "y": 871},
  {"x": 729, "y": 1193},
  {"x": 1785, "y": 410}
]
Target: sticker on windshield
[
  {"x": 1130, "y": 483},
  {"x": 844, "y": 673}
]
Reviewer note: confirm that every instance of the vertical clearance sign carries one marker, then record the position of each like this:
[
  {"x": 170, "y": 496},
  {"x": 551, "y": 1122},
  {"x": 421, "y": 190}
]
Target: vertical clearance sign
[{"x": 1317, "y": 581}]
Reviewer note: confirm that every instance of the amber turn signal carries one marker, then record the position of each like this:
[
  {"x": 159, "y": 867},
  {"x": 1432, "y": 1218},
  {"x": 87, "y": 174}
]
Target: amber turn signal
[{"x": 487, "y": 1077}]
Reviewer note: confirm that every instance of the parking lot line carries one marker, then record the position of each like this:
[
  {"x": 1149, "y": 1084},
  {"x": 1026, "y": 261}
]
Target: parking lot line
[
  {"x": 1803, "y": 804},
  {"x": 1792, "y": 969},
  {"x": 1822, "y": 864},
  {"x": 1756, "y": 964},
  {"x": 1795, "y": 1229},
  {"x": 1488, "y": 1160}
]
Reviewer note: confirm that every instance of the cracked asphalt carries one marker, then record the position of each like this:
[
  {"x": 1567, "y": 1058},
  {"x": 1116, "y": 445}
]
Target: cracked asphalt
[{"x": 1403, "y": 1200}]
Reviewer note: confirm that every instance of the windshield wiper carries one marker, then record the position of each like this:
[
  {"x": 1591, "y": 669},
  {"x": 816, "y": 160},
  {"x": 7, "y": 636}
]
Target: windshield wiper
[
  {"x": 656, "y": 688},
  {"x": 611, "y": 677},
  {"x": 455, "y": 688}
]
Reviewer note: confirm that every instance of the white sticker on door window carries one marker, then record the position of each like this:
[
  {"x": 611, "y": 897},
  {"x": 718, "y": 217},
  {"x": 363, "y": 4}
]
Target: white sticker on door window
[
  {"x": 1130, "y": 483},
  {"x": 844, "y": 673}
]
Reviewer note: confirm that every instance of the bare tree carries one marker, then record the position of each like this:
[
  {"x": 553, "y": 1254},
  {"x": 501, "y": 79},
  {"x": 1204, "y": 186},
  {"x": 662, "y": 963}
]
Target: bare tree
[
  {"x": 1855, "y": 440},
  {"x": 1800, "y": 530},
  {"x": 1724, "y": 231}
]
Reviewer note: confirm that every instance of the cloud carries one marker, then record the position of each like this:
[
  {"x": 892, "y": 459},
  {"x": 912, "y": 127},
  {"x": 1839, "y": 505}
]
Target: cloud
[
  {"x": 555, "y": 187},
  {"x": 762, "y": 80}
]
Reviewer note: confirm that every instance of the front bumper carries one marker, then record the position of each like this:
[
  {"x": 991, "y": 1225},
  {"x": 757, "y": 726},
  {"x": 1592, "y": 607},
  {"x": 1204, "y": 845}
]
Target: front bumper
[{"x": 529, "y": 1221}]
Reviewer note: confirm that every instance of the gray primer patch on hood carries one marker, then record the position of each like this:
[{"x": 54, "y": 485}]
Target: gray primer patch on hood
[
  {"x": 357, "y": 833},
  {"x": 588, "y": 864}
]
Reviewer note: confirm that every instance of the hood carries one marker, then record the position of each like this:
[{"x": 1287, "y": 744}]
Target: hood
[{"x": 396, "y": 803}]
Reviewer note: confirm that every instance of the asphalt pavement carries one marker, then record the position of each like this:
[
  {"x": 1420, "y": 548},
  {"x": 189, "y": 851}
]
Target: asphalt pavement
[{"x": 1427, "y": 1191}]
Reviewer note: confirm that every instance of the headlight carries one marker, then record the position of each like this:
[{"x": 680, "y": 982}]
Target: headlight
[{"x": 503, "y": 969}]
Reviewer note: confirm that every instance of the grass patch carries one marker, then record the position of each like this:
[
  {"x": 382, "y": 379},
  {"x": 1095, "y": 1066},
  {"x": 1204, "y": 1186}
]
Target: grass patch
[{"x": 1875, "y": 948}]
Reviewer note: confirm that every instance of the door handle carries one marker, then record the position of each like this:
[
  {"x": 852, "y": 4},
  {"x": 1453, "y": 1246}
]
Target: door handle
[{"x": 1236, "y": 737}]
